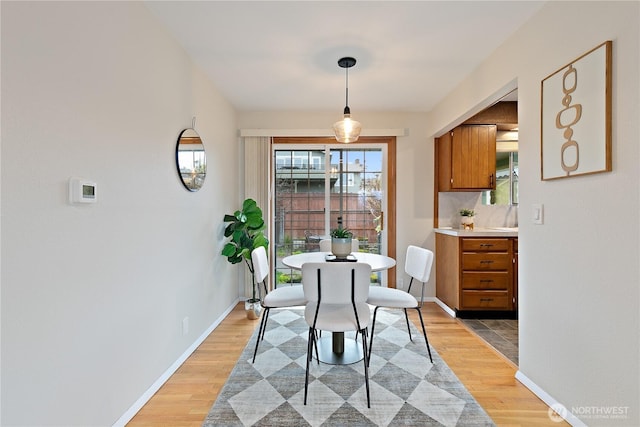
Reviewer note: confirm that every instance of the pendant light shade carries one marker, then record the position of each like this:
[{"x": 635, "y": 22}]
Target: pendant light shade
[{"x": 347, "y": 130}]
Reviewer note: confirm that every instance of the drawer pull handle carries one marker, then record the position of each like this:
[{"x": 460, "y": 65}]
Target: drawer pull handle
[
  {"x": 486, "y": 261},
  {"x": 486, "y": 281},
  {"x": 486, "y": 245},
  {"x": 486, "y": 299}
]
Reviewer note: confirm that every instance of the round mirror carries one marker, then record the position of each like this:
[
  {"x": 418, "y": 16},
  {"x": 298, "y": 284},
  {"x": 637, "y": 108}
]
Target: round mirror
[{"x": 191, "y": 159}]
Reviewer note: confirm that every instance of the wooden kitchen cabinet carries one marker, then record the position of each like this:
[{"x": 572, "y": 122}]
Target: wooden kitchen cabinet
[
  {"x": 466, "y": 158},
  {"x": 476, "y": 273},
  {"x": 485, "y": 274}
]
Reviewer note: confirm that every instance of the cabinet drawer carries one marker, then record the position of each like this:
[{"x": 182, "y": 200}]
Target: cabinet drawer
[
  {"x": 489, "y": 245},
  {"x": 498, "y": 280},
  {"x": 486, "y": 261},
  {"x": 490, "y": 300}
]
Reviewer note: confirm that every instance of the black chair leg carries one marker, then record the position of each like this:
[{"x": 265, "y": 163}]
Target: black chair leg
[
  {"x": 406, "y": 317},
  {"x": 424, "y": 332},
  {"x": 373, "y": 328},
  {"x": 315, "y": 345},
  {"x": 260, "y": 337},
  {"x": 266, "y": 319},
  {"x": 366, "y": 365},
  {"x": 309, "y": 353}
]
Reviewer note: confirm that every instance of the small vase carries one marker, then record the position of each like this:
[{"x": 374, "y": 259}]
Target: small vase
[
  {"x": 253, "y": 309},
  {"x": 467, "y": 223},
  {"x": 341, "y": 248}
]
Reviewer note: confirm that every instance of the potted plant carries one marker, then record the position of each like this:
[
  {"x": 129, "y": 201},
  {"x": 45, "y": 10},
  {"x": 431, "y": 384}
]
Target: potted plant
[
  {"x": 341, "y": 239},
  {"x": 467, "y": 218},
  {"x": 246, "y": 230}
]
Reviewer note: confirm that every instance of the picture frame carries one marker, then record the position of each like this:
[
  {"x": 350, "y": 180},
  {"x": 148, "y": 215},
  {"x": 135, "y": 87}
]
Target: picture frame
[{"x": 575, "y": 116}]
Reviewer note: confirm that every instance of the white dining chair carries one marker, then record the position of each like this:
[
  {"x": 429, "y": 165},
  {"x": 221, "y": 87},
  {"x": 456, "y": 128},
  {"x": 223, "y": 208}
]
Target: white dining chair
[
  {"x": 337, "y": 302},
  {"x": 325, "y": 245},
  {"x": 418, "y": 265},
  {"x": 283, "y": 297}
]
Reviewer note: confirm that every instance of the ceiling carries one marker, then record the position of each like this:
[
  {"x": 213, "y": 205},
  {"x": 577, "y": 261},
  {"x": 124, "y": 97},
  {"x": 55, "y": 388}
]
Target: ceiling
[{"x": 282, "y": 56}]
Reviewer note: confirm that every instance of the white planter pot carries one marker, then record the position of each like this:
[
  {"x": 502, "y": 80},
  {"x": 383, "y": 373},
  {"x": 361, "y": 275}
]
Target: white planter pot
[
  {"x": 467, "y": 223},
  {"x": 341, "y": 248}
]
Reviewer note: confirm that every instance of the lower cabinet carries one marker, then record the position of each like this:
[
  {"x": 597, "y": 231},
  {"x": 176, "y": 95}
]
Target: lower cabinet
[{"x": 476, "y": 273}]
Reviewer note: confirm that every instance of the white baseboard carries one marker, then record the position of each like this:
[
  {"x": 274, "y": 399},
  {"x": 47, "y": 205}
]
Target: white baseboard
[
  {"x": 558, "y": 407},
  {"x": 445, "y": 307},
  {"x": 147, "y": 395}
]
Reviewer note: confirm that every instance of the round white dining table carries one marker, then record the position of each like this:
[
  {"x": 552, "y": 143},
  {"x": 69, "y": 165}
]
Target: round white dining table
[
  {"x": 376, "y": 261},
  {"x": 338, "y": 350}
]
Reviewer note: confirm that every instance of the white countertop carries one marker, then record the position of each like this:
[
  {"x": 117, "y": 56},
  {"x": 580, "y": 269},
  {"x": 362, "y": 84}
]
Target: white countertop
[{"x": 479, "y": 232}]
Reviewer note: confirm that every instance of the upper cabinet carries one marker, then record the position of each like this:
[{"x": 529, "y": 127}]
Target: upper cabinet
[{"x": 466, "y": 158}]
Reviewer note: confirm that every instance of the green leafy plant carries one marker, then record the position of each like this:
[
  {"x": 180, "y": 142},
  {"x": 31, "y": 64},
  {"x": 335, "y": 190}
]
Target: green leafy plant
[
  {"x": 341, "y": 233},
  {"x": 467, "y": 212},
  {"x": 246, "y": 230}
]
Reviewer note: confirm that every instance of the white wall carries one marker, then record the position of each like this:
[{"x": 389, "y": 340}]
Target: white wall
[
  {"x": 414, "y": 180},
  {"x": 93, "y": 297},
  {"x": 579, "y": 272}
]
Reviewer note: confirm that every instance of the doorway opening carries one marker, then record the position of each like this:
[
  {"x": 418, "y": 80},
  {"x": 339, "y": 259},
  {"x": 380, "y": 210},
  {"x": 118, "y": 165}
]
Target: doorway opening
[{"x": 496, "y": 207}]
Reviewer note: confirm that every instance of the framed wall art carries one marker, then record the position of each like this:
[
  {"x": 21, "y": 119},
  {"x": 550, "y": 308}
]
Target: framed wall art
[{"x": 576, "y": 117}]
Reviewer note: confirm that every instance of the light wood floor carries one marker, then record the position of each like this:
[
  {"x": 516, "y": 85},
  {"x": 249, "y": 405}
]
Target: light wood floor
[{"x": 185, "y": 399}]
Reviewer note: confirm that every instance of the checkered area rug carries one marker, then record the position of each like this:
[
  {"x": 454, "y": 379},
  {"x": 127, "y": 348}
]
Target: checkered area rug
[{"x": 406, "y": 389}]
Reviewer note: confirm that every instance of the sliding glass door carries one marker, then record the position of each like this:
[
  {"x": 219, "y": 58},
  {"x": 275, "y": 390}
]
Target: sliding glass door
[{"x": 319, "y": 187}]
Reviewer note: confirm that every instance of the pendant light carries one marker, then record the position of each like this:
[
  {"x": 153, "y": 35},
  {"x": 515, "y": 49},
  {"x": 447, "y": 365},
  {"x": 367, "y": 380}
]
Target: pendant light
[{"x": 347, "y": 130}]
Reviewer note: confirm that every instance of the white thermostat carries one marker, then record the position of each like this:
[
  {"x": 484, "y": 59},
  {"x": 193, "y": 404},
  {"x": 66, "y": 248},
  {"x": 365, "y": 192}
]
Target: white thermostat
[{"x": 82, "y": 191}]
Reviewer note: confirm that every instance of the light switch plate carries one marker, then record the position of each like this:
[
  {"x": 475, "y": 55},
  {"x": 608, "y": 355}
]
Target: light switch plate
[{"x": 537, "y": 213}]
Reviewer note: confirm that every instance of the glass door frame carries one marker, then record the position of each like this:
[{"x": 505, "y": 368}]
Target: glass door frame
[{"x": 388, "y": 146}]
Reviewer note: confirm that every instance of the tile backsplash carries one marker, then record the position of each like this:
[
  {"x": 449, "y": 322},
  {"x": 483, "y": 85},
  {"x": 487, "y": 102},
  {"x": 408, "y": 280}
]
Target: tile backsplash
[{"x": 449, "y": 204}]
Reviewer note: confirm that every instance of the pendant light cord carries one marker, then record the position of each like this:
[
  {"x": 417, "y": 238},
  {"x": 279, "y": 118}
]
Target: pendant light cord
[
  {"x": 347, "y": 88},
  {"x": 347, "y": 110}
]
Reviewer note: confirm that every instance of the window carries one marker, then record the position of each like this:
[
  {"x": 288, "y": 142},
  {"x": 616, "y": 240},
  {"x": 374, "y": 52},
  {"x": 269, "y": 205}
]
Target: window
[{"x": 506, "y": 192}]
